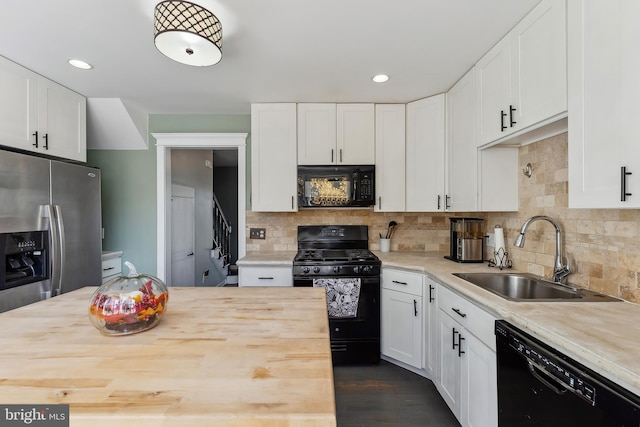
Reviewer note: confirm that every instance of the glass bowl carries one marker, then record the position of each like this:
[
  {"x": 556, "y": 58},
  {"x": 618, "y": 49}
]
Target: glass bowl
[{"x": 128, "y": 304}]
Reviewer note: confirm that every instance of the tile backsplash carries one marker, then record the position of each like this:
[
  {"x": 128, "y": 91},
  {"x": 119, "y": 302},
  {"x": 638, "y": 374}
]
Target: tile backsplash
[{"x": 601, "y": 245}]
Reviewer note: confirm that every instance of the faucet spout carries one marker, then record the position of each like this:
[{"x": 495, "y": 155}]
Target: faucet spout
[{"x": 560, "y": 270}]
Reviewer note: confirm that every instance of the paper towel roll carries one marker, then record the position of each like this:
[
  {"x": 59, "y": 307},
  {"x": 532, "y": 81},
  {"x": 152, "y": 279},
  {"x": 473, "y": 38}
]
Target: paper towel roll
[{"x": 499, "y": 257}]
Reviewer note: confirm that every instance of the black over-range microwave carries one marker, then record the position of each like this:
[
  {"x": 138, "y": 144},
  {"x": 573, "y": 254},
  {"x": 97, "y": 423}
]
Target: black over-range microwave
[{"x": 336, "y": 186}]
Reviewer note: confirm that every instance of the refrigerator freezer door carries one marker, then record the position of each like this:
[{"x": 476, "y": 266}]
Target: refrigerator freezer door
[
  {"x": 24, "y": 187},
  {"x": 76, "y": 190}
]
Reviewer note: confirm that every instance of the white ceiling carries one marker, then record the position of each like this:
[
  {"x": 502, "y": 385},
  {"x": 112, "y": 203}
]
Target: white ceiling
[{"x": 273, "y": 50}]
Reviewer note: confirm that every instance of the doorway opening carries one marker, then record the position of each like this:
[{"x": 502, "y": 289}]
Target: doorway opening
[{"x": 218, "y": 142}]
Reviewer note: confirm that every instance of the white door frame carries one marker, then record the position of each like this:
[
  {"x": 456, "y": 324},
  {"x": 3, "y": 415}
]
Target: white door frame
[{"x": 164, "y": 143}]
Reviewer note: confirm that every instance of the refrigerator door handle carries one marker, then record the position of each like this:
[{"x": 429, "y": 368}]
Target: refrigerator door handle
[{"x": 57, "y": 248}]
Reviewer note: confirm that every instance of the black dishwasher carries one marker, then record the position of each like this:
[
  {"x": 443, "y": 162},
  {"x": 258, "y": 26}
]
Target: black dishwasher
[{"x": 538, "y": 386}]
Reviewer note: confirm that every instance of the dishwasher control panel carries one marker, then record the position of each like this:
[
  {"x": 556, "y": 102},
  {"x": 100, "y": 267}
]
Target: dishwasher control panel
[{"x": 569, "y": 379}]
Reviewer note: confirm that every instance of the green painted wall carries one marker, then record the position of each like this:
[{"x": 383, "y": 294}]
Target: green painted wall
[{"x": 129, "y": 185}]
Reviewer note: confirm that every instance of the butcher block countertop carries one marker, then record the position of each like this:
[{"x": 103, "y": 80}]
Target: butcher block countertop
[{"x": 220, "y": 356}]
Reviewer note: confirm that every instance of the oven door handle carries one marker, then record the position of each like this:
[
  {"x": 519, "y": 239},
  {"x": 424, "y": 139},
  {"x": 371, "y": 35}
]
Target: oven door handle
[{"x": 534, "y": 368}]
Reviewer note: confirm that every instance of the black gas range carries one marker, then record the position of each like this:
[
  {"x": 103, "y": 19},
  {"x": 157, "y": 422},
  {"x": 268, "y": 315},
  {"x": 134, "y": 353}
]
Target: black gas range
[{"x": 337, "y": 258}]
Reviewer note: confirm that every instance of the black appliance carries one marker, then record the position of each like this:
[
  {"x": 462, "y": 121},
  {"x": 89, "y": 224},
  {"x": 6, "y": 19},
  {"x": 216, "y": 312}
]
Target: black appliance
[
  {"x": 336, "y": 186},
  {"x": 538, "y": 386},
  {"x": 337, "y": 257}
]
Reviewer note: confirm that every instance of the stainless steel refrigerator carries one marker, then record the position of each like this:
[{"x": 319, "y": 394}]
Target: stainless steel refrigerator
[{"x": 50, "y": 228}]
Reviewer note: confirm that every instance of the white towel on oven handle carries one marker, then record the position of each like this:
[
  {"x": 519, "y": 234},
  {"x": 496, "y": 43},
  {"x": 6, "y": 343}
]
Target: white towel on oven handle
[{"x": 343, "y": 295}]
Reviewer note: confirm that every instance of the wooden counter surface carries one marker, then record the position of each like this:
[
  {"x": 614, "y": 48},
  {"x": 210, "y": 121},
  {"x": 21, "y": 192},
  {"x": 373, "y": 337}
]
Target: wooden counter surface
[{"x": 219, "y": 357}]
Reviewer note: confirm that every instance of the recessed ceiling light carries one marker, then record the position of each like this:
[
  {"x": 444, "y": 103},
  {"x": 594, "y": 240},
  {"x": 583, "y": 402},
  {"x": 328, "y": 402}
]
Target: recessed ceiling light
[
  {"x": 380, "y": 78},
  {"x": 80, "y": 64}
]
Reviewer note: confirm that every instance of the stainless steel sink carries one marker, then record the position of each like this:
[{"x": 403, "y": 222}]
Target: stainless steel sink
[{"x": 528, "y": 287}]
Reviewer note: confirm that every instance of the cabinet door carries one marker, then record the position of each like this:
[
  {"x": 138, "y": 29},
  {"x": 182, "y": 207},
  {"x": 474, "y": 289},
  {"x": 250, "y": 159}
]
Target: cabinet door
[
  {"x": 462, "y": 152},
  {"x": 604, "y": 100},
  {"x": 390, "y": 157},
  {"x": 539, "y": 64},
  {"x": 430, "y": 314},
  {"x": 449, "y": 375},
  {"x": 62, "y": 121},
  {"x": 479, "y": 406},
  {"x": 317, "y": 134},
  {"x": 18, "y": 106},
  {"x": 425, "y": 155},
  {"x": 401, "y": 321},
  {"x": 355, "y": 134},
  {"x": 273, "y": 157},
  {"x": 493, "y": 93}
]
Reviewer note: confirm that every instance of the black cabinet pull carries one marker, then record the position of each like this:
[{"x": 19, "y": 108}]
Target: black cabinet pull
[
  {"x": 415, "y": 308},
  {"x": 399, "y": 283},
  {"x": 35, "y": 144},
  {"x": 502, "y": 116},
  {"x": 447, "y": 206},
  {"x": 623, "y": 184},
  {"x": 460, "y": 352},
  {"x": 265, "y": 278},
  {"x": 511, "y": 121},
  {"x": 458, "y": 312},
  {"x": 341, "y": 155},
  {"x": 332, "y": 155},
  {"x": 46, "y": 141},
  {"x": 438, "y": 202},
  {"x": 379, "y": 202},
  {"x": 453, "y": 339},
  {"x": 431, "y": 289}
]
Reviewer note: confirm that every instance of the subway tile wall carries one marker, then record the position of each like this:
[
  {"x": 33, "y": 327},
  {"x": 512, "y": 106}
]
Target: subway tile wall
[{"x": 602, "y": 245}]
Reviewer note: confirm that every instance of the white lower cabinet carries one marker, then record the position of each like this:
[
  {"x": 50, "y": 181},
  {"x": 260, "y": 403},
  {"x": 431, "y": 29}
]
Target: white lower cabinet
[
  {"x": 430, "y": 328},
  {"x": 466, "y": 375},
  {"x": 401, "y": 316},
  {"x": 265, "y": 276}
]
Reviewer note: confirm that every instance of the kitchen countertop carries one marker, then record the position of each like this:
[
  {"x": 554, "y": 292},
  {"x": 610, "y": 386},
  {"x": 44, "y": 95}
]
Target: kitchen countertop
[
  {"x": 106, "y": 255},
  {"x": 601, "y": 335},
  {"x": 220, "y": 356}
]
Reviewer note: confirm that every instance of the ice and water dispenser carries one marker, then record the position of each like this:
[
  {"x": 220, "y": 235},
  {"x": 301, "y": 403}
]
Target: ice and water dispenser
[
  {"x": 23, "y": 258},
  {"x": 466, "y": 239}
]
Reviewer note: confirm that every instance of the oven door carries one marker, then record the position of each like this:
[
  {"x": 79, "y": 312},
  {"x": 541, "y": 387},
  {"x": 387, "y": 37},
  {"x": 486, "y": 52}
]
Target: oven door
[{"x": 355, "y": 339}]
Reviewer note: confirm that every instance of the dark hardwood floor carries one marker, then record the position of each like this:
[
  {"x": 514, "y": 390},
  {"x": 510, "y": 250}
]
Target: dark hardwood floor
[{"x": 387, "y": 395}]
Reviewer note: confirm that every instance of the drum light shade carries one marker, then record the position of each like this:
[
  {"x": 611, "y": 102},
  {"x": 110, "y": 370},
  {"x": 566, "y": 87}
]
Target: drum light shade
[{"x": 188, "y": 33}]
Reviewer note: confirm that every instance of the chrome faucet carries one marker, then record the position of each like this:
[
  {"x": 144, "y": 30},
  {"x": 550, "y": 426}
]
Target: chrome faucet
[{"x": 560, "y": 270}]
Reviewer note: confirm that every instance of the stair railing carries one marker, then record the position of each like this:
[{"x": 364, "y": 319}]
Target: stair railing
[{"x": 221, "y": 231}]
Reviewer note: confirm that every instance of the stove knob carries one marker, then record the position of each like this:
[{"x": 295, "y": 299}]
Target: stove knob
[
  {"x": 356, "y": 269},
  {"x": 336, "y": 269},
  {"x": 305, "y": 270},
  {"x": 366, "y": 268},
  {"x": 316, "y": 269}
]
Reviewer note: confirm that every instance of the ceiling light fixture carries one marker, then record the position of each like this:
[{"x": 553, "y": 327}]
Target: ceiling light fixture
[
  {"x": 80, "y": 64},
  {"x": 380, "y": 78},
  {"x": 188, "y": 33}
]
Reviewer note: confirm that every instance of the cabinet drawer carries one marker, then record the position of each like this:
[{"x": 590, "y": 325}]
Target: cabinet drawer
[
  {"x": 402, "y": 281},
  {"x": 111, "y": 267},
  {"x": 473, "y": 318},
  {"x": 265, "y": 276}
]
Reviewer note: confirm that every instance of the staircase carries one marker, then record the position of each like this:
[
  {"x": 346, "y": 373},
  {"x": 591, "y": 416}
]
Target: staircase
[{"x": 221, "y": 251}]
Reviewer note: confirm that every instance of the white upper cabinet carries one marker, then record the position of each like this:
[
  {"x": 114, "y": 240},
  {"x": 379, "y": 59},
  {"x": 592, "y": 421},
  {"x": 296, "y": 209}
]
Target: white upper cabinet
[
  {"x": 39, "y": 115},
  {"x": 425, "y": 155},
  {"x": 390, "y": 157},
  {"x": 462, "y": 152},
  {"x": 522, "y": 81},
  {"x": 62, "y": 120},
  {"x": 356, "y": 134},
  {"x": 340, "y": 134},
  {"x": 317, "y": 134},
  {"x": 273, "y": 157},
  {"x": 604, "y": 100},
  {"x": 18, "y": 106}
]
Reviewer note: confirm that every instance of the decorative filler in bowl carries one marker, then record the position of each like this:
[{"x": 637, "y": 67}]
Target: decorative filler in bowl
[{"x": 128, "y": 304}]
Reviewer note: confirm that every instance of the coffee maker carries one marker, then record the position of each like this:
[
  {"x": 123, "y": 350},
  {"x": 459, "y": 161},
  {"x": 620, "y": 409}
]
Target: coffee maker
[{"x": 466, "y": 240}]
